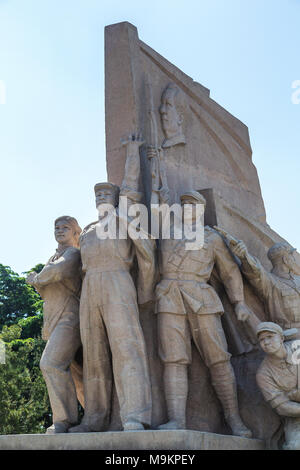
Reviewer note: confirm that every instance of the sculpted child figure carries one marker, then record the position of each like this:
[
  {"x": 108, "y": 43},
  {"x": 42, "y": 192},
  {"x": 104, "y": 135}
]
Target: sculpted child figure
[
  {"x": 279, "y": 380},
  {"x": 59, "y": 285}
]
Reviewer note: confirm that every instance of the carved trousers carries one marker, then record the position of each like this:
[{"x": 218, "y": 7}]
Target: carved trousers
[
  {"x": 112, "y": 332},
  {"x": 55, "y": 365},
  {"x": 292, "y": 433},
  {"x": 175, "y": 333}
]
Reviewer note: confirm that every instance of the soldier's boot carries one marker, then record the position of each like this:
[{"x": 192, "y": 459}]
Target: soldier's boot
[
  {"x": 59, "y": 427},
  {"x": 90, "y": 424},
  {"x": 80, "y": 428},
  {"x": 133, "y": 425},
  {"x": 223, "y": 381},
  {"x": 176, "y": 390}
]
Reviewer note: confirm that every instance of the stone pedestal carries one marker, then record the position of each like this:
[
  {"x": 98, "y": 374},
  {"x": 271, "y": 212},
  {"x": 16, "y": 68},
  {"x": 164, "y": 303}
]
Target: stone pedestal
[{"x": 134, "y": 440}]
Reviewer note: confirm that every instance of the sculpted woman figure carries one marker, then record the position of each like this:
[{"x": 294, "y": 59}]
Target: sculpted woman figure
[{"x": 59, "y": 285}]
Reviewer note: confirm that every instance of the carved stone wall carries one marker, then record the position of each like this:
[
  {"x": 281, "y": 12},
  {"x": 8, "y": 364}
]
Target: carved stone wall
[{"x": 217, "y": 159}]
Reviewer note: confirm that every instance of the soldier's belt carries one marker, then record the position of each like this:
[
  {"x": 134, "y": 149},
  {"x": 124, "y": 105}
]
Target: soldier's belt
[
  {"x": 184, "y": 277},
  {"x": 105, "y": 269}
]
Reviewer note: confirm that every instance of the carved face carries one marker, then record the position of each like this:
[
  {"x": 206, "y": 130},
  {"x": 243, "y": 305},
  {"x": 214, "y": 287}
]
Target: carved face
[
  {"x": 105, "y": 196},
  {"x": 191, "y": 210},
  {"x": 63, "y": 232},
  {"x": 188, "y": 210},
  {"x": 291, "y": 261},
  {"x": 170, "y": 118},
  {"x": 270, "y": 342}
]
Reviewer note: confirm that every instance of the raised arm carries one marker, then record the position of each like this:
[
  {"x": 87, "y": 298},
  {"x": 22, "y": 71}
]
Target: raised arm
[
  {"x": 231, "y": 277},
  {"x": 256, "y": 274},
  {"x": 64, "y": 267},
  {"x": 159, "y": 184},
  {"x": 132, "y": 166}
]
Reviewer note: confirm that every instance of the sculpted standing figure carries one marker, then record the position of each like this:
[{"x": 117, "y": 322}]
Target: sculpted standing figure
[
  {"x": 59, "y": 285},
  {"x": 278, "y": 378},
  {"x": 280, "y": 288},
  {"x": 109, "y": 313},
  {"x": 187, "y": 306}
]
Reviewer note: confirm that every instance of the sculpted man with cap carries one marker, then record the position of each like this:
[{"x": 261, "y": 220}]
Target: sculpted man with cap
[
  {"x": 189, "y": 309},
  {"x": 280, "y": 288},
  {"x": 109, "y": 313},
  {"x": 59, "y": 285},
  {"x": 279, "y": 380}
]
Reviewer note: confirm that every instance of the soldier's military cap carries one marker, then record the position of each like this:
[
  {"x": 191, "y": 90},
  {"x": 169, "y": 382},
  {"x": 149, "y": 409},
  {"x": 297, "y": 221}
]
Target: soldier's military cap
[
  {"x": 111, "y": 186},
  {"x": 279, "y": 249},
  {"x": 193, "y": 195},
  {"x": 269, "y": 326}
]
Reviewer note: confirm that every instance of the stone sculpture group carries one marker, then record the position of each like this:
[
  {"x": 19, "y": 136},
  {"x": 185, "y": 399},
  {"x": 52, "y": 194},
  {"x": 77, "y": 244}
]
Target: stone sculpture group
[{"x": 94, "y": 289}]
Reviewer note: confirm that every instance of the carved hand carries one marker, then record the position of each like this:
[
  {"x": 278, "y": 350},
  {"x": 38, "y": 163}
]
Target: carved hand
[
  {"x": 240, "y": 249},
  {"x": 242, "y": 311},
  {"x": 133, "y": 143},
  {"x": 294, "y": 395},
  {"x": 30, "y": 279},
  {"x": 151, "y": 152}
]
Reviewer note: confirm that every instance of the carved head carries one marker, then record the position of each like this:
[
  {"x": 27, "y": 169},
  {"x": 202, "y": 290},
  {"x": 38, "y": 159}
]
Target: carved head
[
  {"x": 172, "y": 111},
  {"x": 190, "y": 199},
  {"x": 107, "y": 193},
  {"x": 270, "y": 337},
  {"x": 67, "y": 231},
  {"x": 283, "y": 254}
]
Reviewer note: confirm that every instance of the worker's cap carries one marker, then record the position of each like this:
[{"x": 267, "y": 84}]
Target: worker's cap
[
  {"x": 193, "y": 196},
  {"x": 279, "y": 249},
  {"x": 269, "y": 326},
  {"x": 112, "y": 187}
]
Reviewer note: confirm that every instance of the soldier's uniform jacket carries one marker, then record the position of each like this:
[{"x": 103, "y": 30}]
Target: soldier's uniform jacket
[
  {"x": 185, "y": 273},
  {"x": 59, "y": 285},
  {"x": 278, "y": 378},
  {"x": 114, "y": 259},
  {"x": 281, "y": 296}
]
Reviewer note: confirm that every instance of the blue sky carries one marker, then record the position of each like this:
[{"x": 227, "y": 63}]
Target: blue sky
[{"x": 52, "y": 138}]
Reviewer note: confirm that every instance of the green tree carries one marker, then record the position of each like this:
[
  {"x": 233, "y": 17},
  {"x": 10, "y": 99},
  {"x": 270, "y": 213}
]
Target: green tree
[
  {"x": 24, "y": 403},
  {"x": 17, "y": 299}
]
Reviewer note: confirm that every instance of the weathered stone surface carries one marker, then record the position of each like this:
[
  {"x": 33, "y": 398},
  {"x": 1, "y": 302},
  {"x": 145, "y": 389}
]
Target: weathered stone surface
[
  {"x": 217, "y": 153},
  {"x": 216, "y": 159},
  {"x": 145, "y": 440}
]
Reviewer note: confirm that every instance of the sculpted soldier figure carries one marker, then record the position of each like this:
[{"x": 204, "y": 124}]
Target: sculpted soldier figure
[
  {"x": 109, "y": 313},
  {"x": 280, "y": 288},
  {"x": 59, "y": 285},
  {"x": 279, "y": 380},
  {"x": 187, "y": 306}
]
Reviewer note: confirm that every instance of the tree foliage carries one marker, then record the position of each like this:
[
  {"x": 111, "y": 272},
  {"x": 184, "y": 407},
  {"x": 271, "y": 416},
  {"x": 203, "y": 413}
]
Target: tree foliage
[
  {"x": 17, "y": 299},
  {"x": 24, "y": 403}
]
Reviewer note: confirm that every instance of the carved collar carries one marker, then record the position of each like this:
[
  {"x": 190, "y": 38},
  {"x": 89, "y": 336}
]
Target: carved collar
[
  {"x": 177, "y": 139},
  {"x": 59, "y": 252}
]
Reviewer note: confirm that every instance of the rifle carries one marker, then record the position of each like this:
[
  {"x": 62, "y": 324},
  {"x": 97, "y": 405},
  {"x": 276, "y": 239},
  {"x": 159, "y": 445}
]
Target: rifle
[
  {"x": 229, "y": 238},
  {"x": 158, "y": 171}
]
